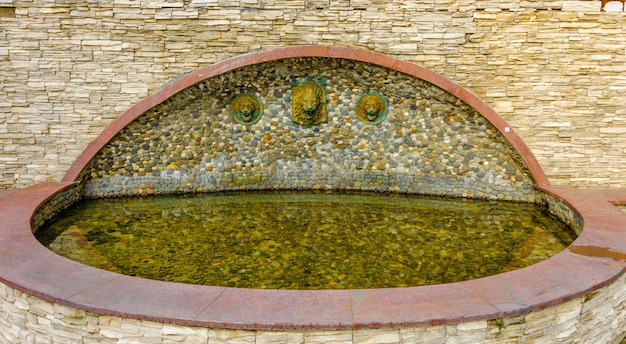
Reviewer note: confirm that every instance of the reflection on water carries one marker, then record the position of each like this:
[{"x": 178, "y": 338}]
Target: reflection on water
[{"x": 306, "y": 240}]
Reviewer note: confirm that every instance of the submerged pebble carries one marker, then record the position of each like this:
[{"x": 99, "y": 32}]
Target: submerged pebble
[{"x": 292, "y": 240}]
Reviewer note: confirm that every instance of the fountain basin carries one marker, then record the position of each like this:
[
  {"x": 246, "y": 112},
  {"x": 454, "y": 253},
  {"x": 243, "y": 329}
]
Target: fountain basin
[
  {"x": 566, "y": 297},
  {"x": 589, "y": 271}
]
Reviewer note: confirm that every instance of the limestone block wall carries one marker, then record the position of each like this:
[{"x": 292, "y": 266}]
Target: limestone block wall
[
  {"x": 599, "y": 317},
  {"x": 554, "y": 69}
]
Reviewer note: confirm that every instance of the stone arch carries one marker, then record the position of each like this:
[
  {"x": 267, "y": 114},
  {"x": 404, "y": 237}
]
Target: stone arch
[{"x": 200, "y": 78}]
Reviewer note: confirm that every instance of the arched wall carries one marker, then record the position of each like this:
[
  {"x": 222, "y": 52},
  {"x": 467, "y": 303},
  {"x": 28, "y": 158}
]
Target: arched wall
[{"x": 437, "y": 137}]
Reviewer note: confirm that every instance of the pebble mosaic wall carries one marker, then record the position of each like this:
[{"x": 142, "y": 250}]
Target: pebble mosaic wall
[
  {"x": 557, "y": 208},
  {"x": 54, "y": 206},
  {"x": 429, "y": 143}
]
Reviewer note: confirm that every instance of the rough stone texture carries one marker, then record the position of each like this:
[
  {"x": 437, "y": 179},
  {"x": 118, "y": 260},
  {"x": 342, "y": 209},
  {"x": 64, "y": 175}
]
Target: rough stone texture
[
  {"x": 599, "y": 317},
  {"x": 561, "y": 211},
  {"x": 430, "y": 142},
  {"x": 553, "y": 69},
  {"x": 53, "y": 207}
]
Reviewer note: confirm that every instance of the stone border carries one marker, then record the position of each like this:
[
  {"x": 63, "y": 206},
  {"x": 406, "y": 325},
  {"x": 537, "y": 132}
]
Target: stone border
[
  {"x": 306, "y": 51},
  {"x": 594, "y": 260}
]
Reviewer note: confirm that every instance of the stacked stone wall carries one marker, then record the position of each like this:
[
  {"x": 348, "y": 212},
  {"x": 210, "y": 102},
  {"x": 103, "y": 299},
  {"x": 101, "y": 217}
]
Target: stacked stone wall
[{"x": 555, "y": 70}]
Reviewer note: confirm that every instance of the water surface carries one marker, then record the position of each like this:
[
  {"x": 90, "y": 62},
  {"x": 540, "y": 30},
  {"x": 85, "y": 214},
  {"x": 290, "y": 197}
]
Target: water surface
[{"x": 306, "y": 240}]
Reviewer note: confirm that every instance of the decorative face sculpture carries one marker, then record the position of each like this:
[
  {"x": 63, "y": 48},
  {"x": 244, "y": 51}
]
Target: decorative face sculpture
[
  {"x": 308, "y": 104},
  {"x": 371, "y": 108},
  {"x": 246, "y": 109}
]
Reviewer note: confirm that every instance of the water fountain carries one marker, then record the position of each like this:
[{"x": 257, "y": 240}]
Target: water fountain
[{"x": 315, "y": 118}]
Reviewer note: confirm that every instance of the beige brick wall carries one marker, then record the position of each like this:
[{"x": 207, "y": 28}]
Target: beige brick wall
[{"x": 555, "y": 70}]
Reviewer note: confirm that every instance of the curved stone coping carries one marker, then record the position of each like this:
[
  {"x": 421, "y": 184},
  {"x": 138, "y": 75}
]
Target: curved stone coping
[
  {"x": 306, "y": 51},
  {"x": 594, "y": 260}
]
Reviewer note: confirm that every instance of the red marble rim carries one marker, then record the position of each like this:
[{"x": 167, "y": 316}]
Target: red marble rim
[
  {"x": 306, "y": 51},
  {"x": 595, "y": 259}
]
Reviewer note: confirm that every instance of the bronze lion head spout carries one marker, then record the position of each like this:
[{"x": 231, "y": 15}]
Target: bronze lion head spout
[
  {"x": 246, "y": 109},
  {"x": 310, "y": 99},
  {"x": 372, "y": 108},
  {"x": 308, "y": 103}
]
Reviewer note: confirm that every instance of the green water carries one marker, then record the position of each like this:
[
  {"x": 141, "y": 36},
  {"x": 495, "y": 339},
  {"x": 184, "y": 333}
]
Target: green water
[{"x": 306, "y": 240}]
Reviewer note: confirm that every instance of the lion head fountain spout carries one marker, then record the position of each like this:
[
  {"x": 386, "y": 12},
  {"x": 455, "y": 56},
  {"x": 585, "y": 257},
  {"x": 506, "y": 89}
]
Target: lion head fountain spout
[
  {"x": 372, "y": 108},
  {"x": 308, "y": 102},
  {"x": 309, "y": 105},
  {"x": 246, "y": 109}
]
